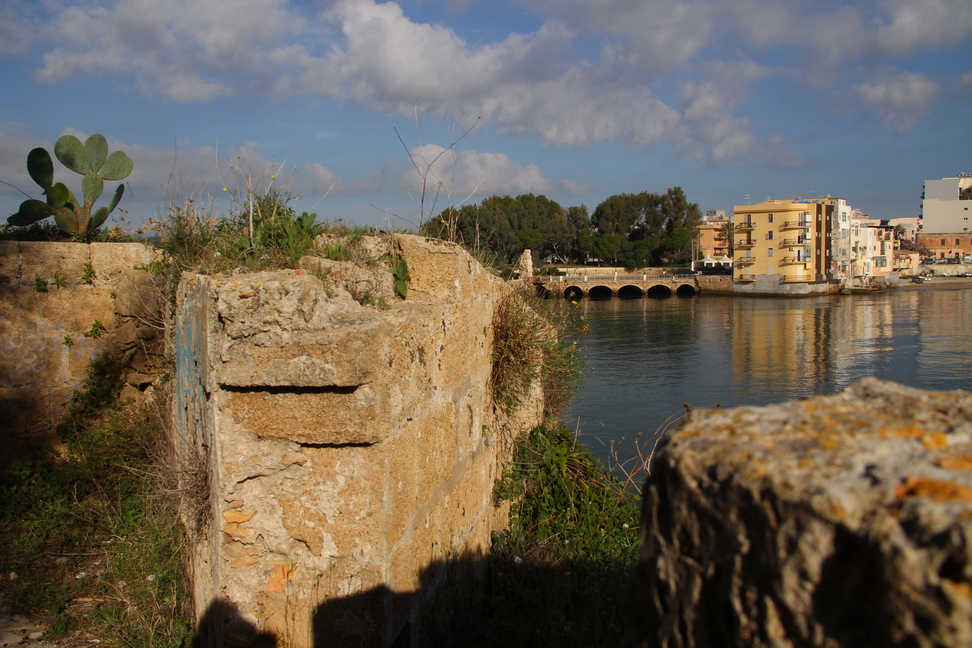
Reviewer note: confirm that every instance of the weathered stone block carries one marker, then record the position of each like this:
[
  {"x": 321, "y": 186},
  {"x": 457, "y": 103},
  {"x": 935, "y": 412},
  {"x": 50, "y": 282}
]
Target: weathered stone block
[
  {"x": 9, "y": 260},
  {"x": 834, "y": 521},
  {"x": 46, "y": 260},
  {"x": 111, "y": 260},
  {"x": 137, "y": 294},
  {"x": 348, "y": 455}
]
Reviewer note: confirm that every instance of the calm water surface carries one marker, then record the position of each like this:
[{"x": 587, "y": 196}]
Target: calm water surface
[{"x": 647, "y": 357}]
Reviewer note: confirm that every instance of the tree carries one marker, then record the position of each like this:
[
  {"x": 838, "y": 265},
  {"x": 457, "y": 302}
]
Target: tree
[
  {"x": 728, "y": 231},
  {"x": 608, "y": 246}
]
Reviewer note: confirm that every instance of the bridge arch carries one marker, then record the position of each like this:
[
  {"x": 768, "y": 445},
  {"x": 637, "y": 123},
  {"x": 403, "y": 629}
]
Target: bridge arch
[
  {"x": 600, "y": 292},
  {"x": 573, "y": 292},
  {"x": 630, "y": 292},
  {"x": 659, "y": 290},
  {"x": 686, "y": 290}
]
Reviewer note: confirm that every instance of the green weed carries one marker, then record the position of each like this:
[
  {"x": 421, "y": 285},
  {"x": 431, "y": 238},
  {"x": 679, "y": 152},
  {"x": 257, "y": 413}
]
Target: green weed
[
  {"x": 529, "y": 348},
  {"x": 555, "y": 577},
  {"x": 400, "y": 272},
  {"x": 40, "y": 285},
  {"x": 96, "y": 331},
  {"x": 90, "y": 533},
  {"x": 88, "y": 275}
]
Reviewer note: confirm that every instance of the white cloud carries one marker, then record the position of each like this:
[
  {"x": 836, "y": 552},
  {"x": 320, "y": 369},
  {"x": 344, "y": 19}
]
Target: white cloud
[
  {"x": 455, "y": 177},
  {"x": 576, "y": 188},
  {"x": 920, "y": 25},
  {"x": 897, "y": 100},
  {"x": 594, "y": 70}
]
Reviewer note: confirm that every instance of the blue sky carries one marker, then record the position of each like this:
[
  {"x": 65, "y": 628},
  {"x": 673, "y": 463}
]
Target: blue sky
[{"x": 574, "y": 99}]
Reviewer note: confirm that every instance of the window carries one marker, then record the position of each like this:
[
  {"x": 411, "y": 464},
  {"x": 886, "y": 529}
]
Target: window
[
  {"x": 769, "y": 252},
  {"x": 956, "y": 241},
  {"x": 769, "y": 237},
  {"x": 943, "y": 243},
  {"x": 771, "y": 218}
]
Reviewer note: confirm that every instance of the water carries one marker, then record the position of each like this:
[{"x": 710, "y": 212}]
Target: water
[{"x": 648, "y": 357}]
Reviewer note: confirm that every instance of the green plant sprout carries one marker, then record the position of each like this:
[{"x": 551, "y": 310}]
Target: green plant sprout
[
  {"x": 90, "y": 160},
  {"x": 60, "y": 281},
  {"x": 96, "y": 331},
  {"x": 40, "y": 285},
  {"x": 400, "y": 272},
  {"x": 68, "y": 341},
  {"x": 89, "y": 274}
]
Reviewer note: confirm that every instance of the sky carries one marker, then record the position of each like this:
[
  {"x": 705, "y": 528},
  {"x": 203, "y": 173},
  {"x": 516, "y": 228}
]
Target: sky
[{"x": 355, "y": 105}]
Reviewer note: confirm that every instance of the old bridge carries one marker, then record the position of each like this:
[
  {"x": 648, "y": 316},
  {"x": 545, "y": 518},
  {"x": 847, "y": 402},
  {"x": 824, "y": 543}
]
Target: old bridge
[{"x": 620, "y": 285}]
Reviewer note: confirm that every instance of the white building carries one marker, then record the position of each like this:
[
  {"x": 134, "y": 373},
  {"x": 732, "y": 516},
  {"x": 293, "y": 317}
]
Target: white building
[{"x": 945, "y": 205}]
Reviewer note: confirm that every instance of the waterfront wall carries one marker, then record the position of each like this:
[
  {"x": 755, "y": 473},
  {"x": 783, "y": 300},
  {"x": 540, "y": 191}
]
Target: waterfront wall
[
  {"x": 335, "y": 452},
  {"x": 45, "y": 352},
  {"x": 774, "y": 285},
  {"x": 837, "y": 521}
]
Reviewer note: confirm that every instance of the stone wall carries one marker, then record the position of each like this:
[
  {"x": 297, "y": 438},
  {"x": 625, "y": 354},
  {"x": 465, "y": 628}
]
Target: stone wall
[
  {"x": 335, "y": 452},
  {"x": 45, "y": 353},
  {"x": 774, "y": 285},
  {"x": 715, "y": 284},
  {"x": 840, "y": 521}
]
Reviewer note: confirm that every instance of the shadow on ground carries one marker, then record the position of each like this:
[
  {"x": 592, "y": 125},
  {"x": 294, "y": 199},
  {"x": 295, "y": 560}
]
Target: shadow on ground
[{"x": 475, "y": 601}]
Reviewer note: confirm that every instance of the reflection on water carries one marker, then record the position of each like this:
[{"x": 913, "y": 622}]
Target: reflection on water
[{"x": 647, "y": 357}]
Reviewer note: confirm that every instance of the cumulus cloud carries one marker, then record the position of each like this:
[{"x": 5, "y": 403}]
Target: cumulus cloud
[
  {"x": 897, "y": 100},
  {"x": 455, "y": 177},
  {"x": 594, "y": 70}
]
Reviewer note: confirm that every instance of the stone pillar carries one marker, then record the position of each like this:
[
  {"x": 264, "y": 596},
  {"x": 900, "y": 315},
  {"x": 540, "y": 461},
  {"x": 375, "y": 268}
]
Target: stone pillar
[
  {"x": 525, "y": 265},
  {"x": 350, "y": 452}
]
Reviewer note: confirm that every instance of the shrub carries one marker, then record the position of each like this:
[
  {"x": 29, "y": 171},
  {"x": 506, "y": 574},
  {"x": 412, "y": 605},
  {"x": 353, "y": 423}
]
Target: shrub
[{"x": 529, "y": 349}]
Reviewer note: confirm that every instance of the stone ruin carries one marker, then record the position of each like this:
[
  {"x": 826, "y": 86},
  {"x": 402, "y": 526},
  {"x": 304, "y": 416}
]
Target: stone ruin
[
  {"x": 839, "y": 521},
  {"x": 338, "y": 459},
  {"x": 44, "y": 352}
]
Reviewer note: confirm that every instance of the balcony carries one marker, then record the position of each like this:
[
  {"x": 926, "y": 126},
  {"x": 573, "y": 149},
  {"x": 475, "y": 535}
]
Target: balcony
[
  {"x": 789, "y": 242},
  {"x": 745, "y": 244},
  {"x": 745, "y": 261},
  {"x": 793, "y": 260},
  {"x": 797, "y": 224},
  {"x": 745, "y": 226}
]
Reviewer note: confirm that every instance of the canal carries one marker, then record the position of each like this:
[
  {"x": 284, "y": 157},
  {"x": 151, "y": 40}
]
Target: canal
[{"x": 647, "y": 358}]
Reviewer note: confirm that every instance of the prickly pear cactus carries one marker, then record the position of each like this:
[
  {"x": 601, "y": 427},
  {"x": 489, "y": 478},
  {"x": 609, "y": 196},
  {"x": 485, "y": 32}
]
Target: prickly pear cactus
[{"x": 90, "y": 160}]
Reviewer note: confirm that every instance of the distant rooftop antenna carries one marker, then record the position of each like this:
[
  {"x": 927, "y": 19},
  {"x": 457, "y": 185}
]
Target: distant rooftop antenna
[{"x": 747, "y": 199}]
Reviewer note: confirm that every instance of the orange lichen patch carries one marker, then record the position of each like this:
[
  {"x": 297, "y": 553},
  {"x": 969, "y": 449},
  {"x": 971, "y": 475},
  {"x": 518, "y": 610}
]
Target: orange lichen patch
[
  {"x": 805, "y": 463},
  {"x": 935, "y": 441},
  {"x": 280, "y": 575},
  {"x": 828, "y": 443},
  {"x": 238, "y": 517},
  {"x": 961, "y": 462},
  {"x": 934, "y": 489},
  {"x": 909, "y": 431},
  {"x": 240, "y": 563},
  {"x": 957, "y": 589}
]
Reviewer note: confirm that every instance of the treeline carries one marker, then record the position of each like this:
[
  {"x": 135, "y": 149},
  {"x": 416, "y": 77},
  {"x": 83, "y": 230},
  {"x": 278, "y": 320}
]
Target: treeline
[{"x": 633, "y": 230}]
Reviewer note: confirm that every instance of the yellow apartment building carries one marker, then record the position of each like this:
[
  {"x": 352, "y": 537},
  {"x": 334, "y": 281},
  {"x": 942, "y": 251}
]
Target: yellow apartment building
[
  {"x": 789, "y": 240},
  {"x": 711, "y": 241}
]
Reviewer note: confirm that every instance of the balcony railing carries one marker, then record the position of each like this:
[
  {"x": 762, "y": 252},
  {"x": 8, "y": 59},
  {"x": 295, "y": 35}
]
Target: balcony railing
[
  {"x": 745, "y": 226},
  {"x": 745, "y": 244},
  {"x": 788, "y": 242},
  {"x": 797, "y": 224},
  {"x": 790, "y": 260},
  {"x": 745, "y": 261}
]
